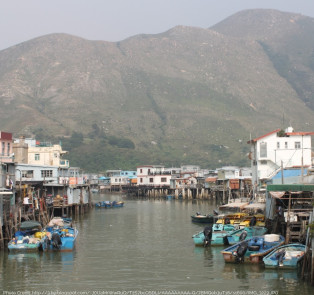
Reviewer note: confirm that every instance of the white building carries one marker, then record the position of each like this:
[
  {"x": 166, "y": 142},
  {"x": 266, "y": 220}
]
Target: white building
[
  {"x": 153, "y": 175},
  {"x": 278, "y": 150}
]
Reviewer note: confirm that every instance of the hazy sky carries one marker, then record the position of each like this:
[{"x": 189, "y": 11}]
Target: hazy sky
[{"x": 115, "y": 20}]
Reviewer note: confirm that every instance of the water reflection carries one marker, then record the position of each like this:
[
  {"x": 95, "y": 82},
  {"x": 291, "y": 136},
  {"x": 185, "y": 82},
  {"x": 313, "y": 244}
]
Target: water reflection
[{"x": 146, "y": 245}]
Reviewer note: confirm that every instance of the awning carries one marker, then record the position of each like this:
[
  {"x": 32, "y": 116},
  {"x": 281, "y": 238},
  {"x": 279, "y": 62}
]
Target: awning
[
  {"x": 290, "y": 187},
  {"x": 277, "y": 195},
  {"x": 29, "y": 225}
]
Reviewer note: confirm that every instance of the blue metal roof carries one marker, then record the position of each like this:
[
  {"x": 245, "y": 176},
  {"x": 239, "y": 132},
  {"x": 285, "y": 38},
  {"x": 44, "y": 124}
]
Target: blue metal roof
[{"x": 290, "y": 173}]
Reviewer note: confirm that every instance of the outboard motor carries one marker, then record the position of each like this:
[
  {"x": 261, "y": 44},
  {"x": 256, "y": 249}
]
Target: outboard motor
[
  {"x": 243, "y": 236},
  {"x": 253, "y": 221},
  {"x": 56, "y": 241},
  {"x": 208, "y": 235},
  {"x": 239, "y": 254},
  {"x": 280, "y": 257},
  {"x": 215, "y": 212}
]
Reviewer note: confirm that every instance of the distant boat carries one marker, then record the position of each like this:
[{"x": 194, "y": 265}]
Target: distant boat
[
  {"x": 286, "y": 256},
  {"x": 109, "y": 204},
  {"x": 252, "y": 250},
  {"x": 27, "y": 239}
]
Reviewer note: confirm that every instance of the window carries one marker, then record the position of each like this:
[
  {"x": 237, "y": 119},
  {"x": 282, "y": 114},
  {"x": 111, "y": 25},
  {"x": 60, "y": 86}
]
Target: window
[
  {"x": 3, "y": 148},
  {"x": 286, "y": 145},
  {"x": 263, "y": 149},
  {"x": 37, "y": 157},
  {"x": 27, "y": 174},
  {"x": 163, "y": 179},
  {"x": 46, "y": 173},
  {"x": 141, "y": 180},
  {"x": 8, "y": 151},
  {"x": 263, "y": 162},
  {"x": 151, "y": 180},
  {"x": 278, "y": 145},
  {"x": 297, "y": 145},
  {"x": 141, "y": 170}
]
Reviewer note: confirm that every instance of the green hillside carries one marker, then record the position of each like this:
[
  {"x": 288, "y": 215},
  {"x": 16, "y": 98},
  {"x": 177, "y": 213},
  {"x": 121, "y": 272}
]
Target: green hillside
[{"x": 185, "y": 96}]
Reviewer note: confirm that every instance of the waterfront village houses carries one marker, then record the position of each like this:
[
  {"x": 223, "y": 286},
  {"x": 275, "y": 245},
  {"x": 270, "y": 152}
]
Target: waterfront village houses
[
  {"x": 41, "y": 165},
  {"x": 33, "y": 152},
  {"x": 7, "y": 161},
  {"x": 6, "y": 174},
  {"x": 278, "y": 150},
  {"x": 159, "y": 176},
  {"x": 153, "y": 175}
]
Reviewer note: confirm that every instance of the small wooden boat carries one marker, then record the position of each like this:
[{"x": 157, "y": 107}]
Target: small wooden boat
[
  {"x": 286, "y": 256},
  {"x": 216, "y": 231},
  {"x": 243, "y": 234},
  {"x": 252, "y": 250},
  {"x": 200, "y": 218},
  {"x": 27, "y": 239}
]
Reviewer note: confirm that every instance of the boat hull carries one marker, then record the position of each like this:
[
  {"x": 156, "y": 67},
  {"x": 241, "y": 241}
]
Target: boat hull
[
  {"x": 257, "y": 249},
  {"x": 203, "y": 219},
  {"x": 24, "y": 247},
  {"x": 67, "y": 240},
  {"x": 292, "y": 257}
]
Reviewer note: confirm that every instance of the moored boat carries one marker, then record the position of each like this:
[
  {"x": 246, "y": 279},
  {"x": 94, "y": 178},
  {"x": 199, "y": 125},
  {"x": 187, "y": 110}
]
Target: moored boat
[
  {"x": 201, "y": 218},
  {"x": 211, "y": 235},
  {"x": 109, "y": 204},
  {"x": 286, "y": 256},
  {"x": 243, "y": 234},
  {"x": 232, "y": 218},
  {"x": 252, "y": 250},
  {"x": 59, "y": 239},
  {"x": 27, "y": 239}
]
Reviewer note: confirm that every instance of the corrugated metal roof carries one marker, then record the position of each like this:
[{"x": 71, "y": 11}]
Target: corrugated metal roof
[
  {"x": 267, "y": 134},
  {"x": 290, "y": 187}
]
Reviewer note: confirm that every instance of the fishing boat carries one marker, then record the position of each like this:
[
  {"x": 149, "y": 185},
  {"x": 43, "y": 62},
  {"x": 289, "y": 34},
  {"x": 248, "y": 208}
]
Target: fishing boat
[
  {"x": 243, "y": 234},
  {"x": 252, "y": 250},
  {"x": 232, "y": 218},
  {"x": 201, "y": 218},
  {"x": 210, "y": 235},
  {"x": 27, "y": 239},
  {"x": 257, "y": 219},
  {"x": 109, "y": 204},
  {"x": 286, "y": 256},
  {"x": 59, "y": 238}
]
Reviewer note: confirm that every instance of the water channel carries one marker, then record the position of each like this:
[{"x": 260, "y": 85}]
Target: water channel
[{"x": 145, "y": 246}]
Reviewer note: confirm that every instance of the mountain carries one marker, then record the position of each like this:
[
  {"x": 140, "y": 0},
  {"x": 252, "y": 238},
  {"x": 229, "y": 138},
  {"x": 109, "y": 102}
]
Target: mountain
[{"x": 185, "y": 96}]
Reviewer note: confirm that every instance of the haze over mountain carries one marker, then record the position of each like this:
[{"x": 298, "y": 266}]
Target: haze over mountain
[{"x": 186, "y": 96}]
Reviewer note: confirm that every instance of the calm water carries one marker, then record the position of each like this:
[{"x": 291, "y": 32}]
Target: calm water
[{"x": 145, "y": 246}]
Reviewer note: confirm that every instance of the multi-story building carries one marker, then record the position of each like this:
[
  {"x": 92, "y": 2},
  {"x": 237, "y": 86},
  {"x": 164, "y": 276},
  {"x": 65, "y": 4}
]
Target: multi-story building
[
  {"x": 153, "y": 175},
  {"x": 277, "y": 150}
]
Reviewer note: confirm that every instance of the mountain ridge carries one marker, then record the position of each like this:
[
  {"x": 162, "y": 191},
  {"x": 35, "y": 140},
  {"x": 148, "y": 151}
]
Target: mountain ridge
[{"x": 187, "y": 95}]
